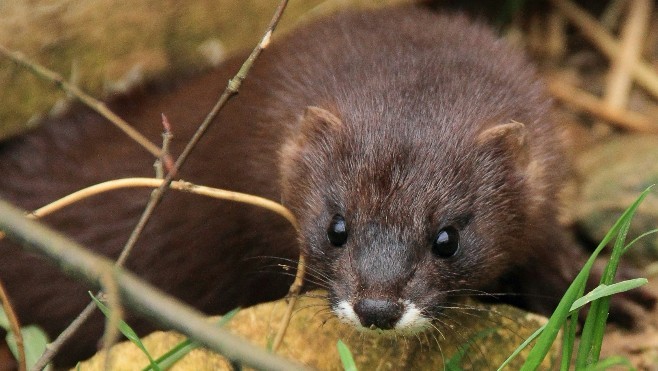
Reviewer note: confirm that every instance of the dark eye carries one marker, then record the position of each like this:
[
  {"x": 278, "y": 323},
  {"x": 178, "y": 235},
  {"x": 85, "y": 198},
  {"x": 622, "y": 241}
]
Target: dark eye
[
  {"x": 337, "y": 231},
  {"x": 446, "y": 242}
]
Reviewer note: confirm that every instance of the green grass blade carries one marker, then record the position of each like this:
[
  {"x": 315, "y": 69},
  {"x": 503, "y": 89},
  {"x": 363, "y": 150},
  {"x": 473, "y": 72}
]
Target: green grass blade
[
  {"x": 592, "y": 336},
  {"x": 522, "y": 346},
  {"x": 639, "y": 238},
  {"x": 608, "y": 290},
  {"x": 552, "y": 328},
  {"x": 181, "y": 349},
  {"x": 568, "y": 340},
  {"x": 610, "y": 362},
  {"x": 454, "y": 363},
  {"x": 34, "y": 344},
  {"x": 34, "y": 340},
  {"x": 174, "y": 354},
  {"x": 4, "y": 321},
  {"x": 346, "y": 356},
  {"x": 575, "y": 290},
  {"x": 126, "y": 331}
]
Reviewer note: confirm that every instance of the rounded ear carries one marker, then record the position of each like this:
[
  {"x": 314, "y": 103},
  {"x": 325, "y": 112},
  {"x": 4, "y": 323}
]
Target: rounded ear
[
  {"x": 315, "y": 126},
  {"x": 508, "y": 140},
  {"x": 317, "y": 122}
]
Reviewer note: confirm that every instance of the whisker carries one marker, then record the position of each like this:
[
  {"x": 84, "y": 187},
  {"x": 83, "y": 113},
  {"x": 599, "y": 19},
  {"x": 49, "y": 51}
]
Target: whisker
[{"x": 309, "y": 268}]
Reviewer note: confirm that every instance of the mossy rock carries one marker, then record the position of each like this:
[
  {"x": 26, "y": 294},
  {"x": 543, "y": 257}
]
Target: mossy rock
[
  {"x": 613, "y": 174},
  {"x": 479, "y": 338},
  {"x": 108, "y": 46}
]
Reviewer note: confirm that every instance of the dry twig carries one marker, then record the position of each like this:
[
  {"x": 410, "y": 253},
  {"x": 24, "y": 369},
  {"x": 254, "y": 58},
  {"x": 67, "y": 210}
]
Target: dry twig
[
  {"x": 143, "y": 298},
  {"x": 588, "y": 25},
  {"x": 230, "y": 91},
  {"x": 85, "y": 98},
  {"x": 612, "y": 13},
  {"x": 108, "y": 282},
  {"x": 179, "y": 185},
  {"x": 184, "y": 187},
  {"x": 587, "y": 102},
  {"x": 15, "y": 327},
  {"x": 620, "y": 81}
]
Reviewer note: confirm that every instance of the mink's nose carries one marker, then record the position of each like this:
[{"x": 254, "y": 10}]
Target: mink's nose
[{"x": 381, "y": 314}]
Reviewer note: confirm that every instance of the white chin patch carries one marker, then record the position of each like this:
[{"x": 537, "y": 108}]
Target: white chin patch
[{"x": 412, "y": 320}]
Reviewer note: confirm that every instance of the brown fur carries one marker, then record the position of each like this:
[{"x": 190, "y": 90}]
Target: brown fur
[{"x": 396, "y": 119}]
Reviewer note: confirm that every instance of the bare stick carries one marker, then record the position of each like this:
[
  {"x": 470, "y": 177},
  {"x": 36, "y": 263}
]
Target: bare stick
[
  {"x": 293, "y": 294},
  {"x": 585, "y": 101},
  {"x": 179, "y": 185},
  {"x": 166, "y": 160},
  {"x": 230, "y": 91},
  {"x": 556, "y": 35},
  {"x": 53, "y": 347},
  {"x": 111, "y": 333},
  {"x": 141, "y": 297},
  {"x": 85, "y": 98},
  {"x": 116, "y": 184},
  {"x": 642, "y": 72},
  {"x": 619, "y": 80},
  {"x": 275, "y": 207},
  {"x": 612, "y": 13},
  {"x": 15, "y": 327}
]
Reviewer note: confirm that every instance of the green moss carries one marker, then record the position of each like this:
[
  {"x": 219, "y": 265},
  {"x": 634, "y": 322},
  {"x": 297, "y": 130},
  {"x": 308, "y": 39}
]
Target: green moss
[{"x": 106, "y": 39}]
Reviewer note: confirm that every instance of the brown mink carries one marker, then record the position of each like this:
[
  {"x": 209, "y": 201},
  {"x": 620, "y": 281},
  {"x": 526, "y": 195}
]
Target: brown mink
[{"x": 417, "y": 150}]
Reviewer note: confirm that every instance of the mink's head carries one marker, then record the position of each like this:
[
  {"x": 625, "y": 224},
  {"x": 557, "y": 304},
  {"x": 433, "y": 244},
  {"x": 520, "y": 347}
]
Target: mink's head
[{"x": 397, "y": 217}]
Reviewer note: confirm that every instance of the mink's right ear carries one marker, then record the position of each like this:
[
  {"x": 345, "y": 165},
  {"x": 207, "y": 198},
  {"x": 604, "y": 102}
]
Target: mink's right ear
[{"x": 506, "y": 141}]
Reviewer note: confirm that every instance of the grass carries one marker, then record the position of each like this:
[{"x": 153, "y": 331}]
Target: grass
[
  {"x": 566, "y": 314},
  {"x": 34, "y": 340},
  {"x": 172, "y": 356}
]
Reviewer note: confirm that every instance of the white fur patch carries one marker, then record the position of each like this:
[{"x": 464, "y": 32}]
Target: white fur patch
[
  {"x": 411, "y": 321},
  {"x": 345, "y": 313}
]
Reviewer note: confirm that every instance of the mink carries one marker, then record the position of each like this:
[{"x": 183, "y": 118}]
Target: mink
[{"x": 418, "y": 151}]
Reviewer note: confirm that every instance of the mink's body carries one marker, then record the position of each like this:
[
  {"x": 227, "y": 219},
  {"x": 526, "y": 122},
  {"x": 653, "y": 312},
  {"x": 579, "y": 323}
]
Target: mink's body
[{"x": 417, "y": 151}]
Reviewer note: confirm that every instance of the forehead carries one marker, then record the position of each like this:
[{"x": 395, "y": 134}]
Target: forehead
[{"x": 384, "y": 172}]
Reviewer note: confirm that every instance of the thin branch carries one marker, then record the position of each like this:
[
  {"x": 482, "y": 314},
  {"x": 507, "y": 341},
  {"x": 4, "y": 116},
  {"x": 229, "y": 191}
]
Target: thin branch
[
  {"x": 612, "y": 13},
  {"x": 619, "y": 81},
  {"x": 597, "y": 34},
  {"x": 111, "y": 333},
  {"x": 166, "y": 161},
  {"x": 179, "y": 185},
  {"x": 54, "y": 346},
  {"x": 85, "y": 98},
  {"x": 275, "y": 207},
  {"x": 230, "y": 91},
  {"x": 585, "y": 101},
  {"x": 15, "y": 327},
  {"x": 116, "y": 184},
  {"x": 293, "y": 294},
  {"x": 183, "y": 186},
  {"x": 138, "y": 295},
  {"x": 556, "y": 35}
]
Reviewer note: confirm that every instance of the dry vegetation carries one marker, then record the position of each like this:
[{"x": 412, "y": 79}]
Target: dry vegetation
[{"x": 603, "y": 71}]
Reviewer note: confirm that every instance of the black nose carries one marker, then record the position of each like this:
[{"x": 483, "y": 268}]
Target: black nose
[{"x": 381, "y": 314}]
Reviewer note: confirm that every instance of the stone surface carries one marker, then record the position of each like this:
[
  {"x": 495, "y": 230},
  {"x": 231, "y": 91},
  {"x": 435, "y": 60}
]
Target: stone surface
[
  {"x": 486, "y": 334},
  {"x": 108, "y": 46}
]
